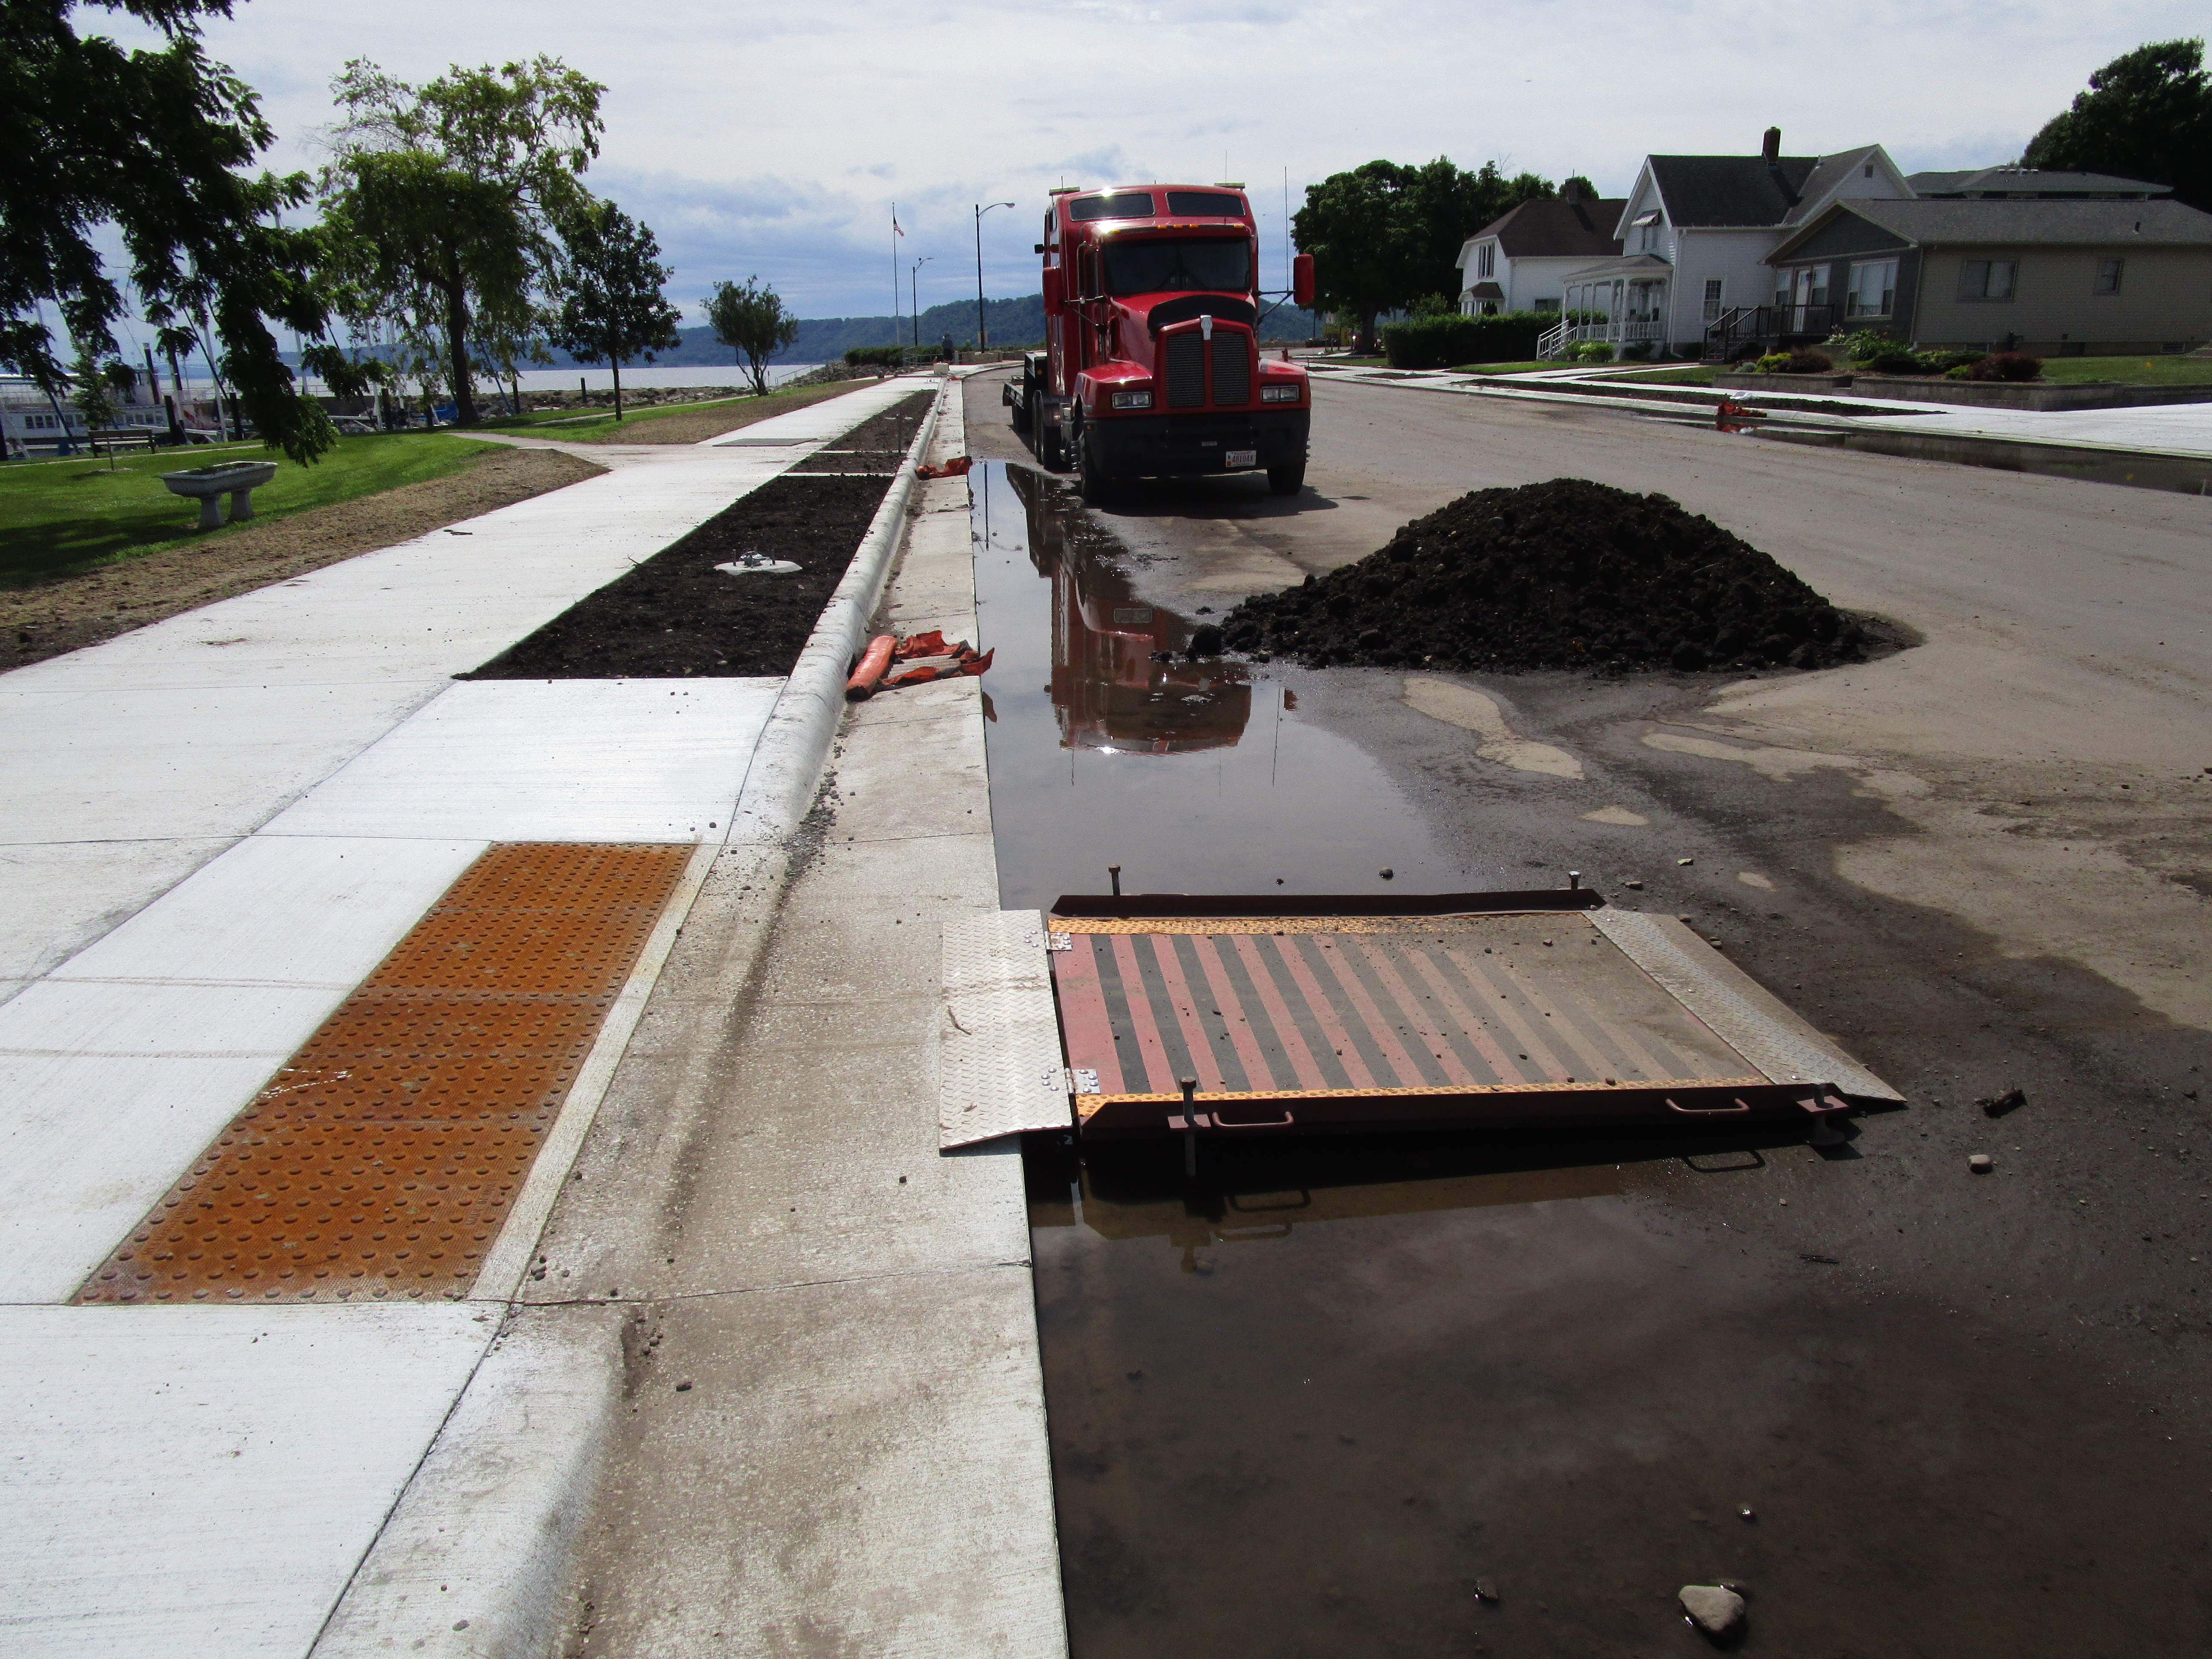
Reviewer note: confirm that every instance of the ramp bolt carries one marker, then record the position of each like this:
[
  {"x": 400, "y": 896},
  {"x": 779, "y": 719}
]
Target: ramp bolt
[
  {"x": 1574, "y": 880},
  {"x": 1115, "y": 870}
]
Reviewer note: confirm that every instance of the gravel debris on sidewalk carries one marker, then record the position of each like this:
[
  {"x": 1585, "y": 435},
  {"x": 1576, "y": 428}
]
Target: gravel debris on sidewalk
[{"x": 1569, "y": 574}]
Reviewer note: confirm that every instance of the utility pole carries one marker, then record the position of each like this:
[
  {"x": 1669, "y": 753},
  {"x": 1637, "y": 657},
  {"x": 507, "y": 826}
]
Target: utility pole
[
  {"x": 982, "y": 330},
  {"x": 913, "y": 293}
]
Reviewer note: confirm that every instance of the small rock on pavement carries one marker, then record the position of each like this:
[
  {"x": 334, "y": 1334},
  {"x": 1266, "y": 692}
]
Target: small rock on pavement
[
  {"x": 1981, "y": 1163},
  {"x": 1712, "y": 1609},
  {"x": 1633, "y": 886},
  {"x": 1998, "y": 1105}
]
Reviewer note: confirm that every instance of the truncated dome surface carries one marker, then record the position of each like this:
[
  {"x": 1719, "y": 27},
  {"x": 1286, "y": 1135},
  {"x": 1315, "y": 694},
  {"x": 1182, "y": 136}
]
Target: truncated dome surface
[{"x": 382, "y": 1157}]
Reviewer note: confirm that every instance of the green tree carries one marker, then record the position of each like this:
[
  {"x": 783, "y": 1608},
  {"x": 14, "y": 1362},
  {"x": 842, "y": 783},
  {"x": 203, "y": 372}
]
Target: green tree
[
  {"x": 752, "y": 322},
  {"x": 612, "y": 307},
  {"x": 156, "y": 141},
  {"x": 94, "y": 399},
  {"x": 2146, "y": 115},
  {"x": 1385, "y": 234},
  {"x": 446, "y": 206}
]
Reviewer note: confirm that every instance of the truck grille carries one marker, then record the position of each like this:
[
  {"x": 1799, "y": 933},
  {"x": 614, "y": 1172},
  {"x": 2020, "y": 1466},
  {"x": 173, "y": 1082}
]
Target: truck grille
[
  {"x": 1232, "y": 369},
  {"x": 1185, "y": 371}
]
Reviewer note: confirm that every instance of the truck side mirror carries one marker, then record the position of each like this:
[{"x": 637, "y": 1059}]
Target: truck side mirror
[
  {"x": 1052, "y": 295},
  {"x": 1302, "y": 281}
]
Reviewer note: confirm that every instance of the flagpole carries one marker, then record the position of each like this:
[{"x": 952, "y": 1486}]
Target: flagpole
[{"x": 895, "y": 310}]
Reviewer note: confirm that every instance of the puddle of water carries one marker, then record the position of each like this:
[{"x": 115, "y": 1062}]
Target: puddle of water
[
  {"x": 1108, "y": 744},
  {"x": 1307, "y": 1403}
]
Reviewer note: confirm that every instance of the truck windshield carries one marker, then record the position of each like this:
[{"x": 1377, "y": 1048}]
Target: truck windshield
[{"x": 1213, "y": 266}]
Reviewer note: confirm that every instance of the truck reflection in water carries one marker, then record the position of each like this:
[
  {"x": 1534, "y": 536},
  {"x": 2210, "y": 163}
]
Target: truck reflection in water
[{"x": 1124, "y": 678}]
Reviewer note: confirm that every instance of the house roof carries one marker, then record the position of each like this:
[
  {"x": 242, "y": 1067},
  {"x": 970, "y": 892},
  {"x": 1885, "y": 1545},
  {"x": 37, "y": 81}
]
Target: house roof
[
  {"x": 2029, "y": 182},
  {"x": 1486, "y": 291},
  {"x": 1553, "y": 228},
  {"x": 1828, "y": 173},
  {"x": 1731, "y": 189},
  {"x": 1955, "y": 221},
  {"x": 1639, "y": 267}
]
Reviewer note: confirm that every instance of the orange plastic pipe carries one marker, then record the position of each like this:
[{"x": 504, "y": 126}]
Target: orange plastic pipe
[{"x": 875, "y": 663}]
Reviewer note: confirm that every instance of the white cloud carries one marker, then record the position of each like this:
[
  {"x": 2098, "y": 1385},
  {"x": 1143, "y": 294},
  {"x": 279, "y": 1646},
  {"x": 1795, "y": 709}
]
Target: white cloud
[{"x": 754, "y": 141}]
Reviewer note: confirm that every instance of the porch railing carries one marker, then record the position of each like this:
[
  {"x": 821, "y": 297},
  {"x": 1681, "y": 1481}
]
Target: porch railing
[{"x": 1748, "y": 326}]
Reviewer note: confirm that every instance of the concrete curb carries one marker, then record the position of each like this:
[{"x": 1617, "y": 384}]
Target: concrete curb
[{"x": 788, "y": 760}]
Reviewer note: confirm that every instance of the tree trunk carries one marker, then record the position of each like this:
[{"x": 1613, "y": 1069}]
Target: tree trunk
[
  {"x": 616, "y": 361},
  {"x": 457, "y": 337}
]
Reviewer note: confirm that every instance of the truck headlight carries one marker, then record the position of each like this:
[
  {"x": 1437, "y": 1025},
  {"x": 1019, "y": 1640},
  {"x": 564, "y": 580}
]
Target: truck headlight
[
  {"x": 1278, "y": 394},
  {"x": 1139, "y": 399}
]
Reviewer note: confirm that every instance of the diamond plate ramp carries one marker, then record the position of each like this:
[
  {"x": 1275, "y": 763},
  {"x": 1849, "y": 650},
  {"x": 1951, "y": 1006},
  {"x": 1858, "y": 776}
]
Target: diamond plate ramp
[
  {"x": 999, "y": 1069},
  {"x": 1751, "y": 1019},
  {"x": 381, "y": 1159}
]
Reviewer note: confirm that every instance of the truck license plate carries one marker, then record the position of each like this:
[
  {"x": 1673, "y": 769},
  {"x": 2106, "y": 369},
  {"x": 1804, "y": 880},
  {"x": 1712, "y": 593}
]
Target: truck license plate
[{"x": 1242, "y": 457}]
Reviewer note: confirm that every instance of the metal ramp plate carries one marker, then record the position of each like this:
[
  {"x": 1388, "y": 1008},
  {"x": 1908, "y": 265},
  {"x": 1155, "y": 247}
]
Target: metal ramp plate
[
  {"x": 1000, "y": 1070},
  {"x": 1377, "y": 1021}
]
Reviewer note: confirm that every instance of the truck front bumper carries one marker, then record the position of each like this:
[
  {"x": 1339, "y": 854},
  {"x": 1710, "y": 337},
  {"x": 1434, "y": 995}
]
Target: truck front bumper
[{"x": 1159, "y": 446}]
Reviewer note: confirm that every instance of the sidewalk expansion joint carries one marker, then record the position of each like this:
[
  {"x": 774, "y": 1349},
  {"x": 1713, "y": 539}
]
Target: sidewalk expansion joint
[{"x": 1022, "y": 1262}]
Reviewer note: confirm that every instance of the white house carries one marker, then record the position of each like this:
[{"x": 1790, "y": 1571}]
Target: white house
[
  {"x": 1520, "y": 261},
  {"x": 1694, "y": 234}
]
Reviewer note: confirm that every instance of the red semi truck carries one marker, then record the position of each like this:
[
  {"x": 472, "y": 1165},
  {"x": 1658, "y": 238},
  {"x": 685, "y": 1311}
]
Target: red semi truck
[{"x": 1152, "y": 366}]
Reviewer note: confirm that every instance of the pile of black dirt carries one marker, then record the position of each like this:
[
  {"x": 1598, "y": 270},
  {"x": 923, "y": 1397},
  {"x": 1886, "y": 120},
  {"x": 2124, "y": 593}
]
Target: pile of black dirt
[
  {"x": 1565, "y": 575},
  {"x": 676, "y": 615}
]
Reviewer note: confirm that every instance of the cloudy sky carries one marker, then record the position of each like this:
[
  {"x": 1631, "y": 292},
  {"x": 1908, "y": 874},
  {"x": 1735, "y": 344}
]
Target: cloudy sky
[{"x": 760, "y": 140}]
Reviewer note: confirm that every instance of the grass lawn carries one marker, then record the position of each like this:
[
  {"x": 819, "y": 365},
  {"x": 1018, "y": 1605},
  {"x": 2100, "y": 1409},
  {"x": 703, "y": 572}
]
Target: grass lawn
[
  {"x": 1688, "y": 374},
  {"x": 2177, "y": 370},
  {"x": 1509, "y": 368},
  {"x": 61, "y": 517}
]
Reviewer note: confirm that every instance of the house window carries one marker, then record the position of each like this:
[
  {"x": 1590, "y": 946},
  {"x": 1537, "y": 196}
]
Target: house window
[
  {"x": 1712, "y": 299},
  {"x": 1547, "y": 305},
  {"x": 1646, "y": 228},
  {"x": 2108, "y": 275},
  {"x": 1485, "y": 260},
  {"x": 1873, "y": 290},
  {"x": 1987, "y": 279}
]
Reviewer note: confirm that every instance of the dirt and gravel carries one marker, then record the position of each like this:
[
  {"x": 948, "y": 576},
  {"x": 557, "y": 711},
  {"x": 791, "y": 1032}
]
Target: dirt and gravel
[
  {"x": 878, "y": 444},
  {"x": 1567, "y": 574},
  {"x": 42, "y": 622},
  {"x": 676, "y": 615}
]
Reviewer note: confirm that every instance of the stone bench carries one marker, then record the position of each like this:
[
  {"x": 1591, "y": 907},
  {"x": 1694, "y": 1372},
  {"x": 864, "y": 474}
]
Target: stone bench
[{"x": 237, "y": 479}]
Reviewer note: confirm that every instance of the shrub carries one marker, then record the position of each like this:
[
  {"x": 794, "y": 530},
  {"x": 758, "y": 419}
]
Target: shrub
[
  {"x": 1440, "y": 341},
  {"x": 1772, "y": 363},
  {"x": 1949, "y": 362},
  {"x": 1866, "y": 344},
  {"x": 1594, "y": 351},
  {"x": 1806, "y": 363},
  {"x": 1638, "y": 353},
  {"x": 1895, "y": 359},
  {"x": 2006, "y": 366}
]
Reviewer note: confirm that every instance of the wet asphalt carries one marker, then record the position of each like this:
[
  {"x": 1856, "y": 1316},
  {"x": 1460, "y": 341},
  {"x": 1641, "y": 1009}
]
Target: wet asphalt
[{"x": 1504, "y": 1394}]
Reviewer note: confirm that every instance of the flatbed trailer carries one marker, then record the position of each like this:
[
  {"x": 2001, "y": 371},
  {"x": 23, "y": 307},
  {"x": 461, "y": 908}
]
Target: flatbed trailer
[{"x": 1237, "y": 1016}]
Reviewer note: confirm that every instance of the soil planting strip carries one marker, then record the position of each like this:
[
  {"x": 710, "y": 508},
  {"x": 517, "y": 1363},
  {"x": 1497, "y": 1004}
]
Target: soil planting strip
[
  {"x": 877, "y": 444},
  {"x": 382, "y": 1160},
  {"x": 676, "y": 615}
]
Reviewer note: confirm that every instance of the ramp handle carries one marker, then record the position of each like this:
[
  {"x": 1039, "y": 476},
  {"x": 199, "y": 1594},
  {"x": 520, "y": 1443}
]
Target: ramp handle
[
  {"x": 1283, "y": 1122},
  {"x": 1709, "y": 1111}
]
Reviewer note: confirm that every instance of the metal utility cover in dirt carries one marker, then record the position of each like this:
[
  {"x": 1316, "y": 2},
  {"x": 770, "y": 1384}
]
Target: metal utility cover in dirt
[{"x": 1491, "y": 1009}]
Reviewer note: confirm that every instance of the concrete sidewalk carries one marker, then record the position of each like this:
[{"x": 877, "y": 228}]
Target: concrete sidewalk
[
  {"x": 222, "y": 823},
  {"x": 2178, "y": 430}
]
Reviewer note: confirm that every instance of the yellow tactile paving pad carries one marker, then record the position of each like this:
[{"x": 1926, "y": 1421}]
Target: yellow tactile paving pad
[{"x": 381, "y": 1159}]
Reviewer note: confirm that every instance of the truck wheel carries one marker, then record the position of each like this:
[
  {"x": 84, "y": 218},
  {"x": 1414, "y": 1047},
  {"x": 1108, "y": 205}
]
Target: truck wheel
[
  {"x": 1286, "y": 480},
  {"x": 1092, "y": 482},
  {"x": 1051, "y": 449}
]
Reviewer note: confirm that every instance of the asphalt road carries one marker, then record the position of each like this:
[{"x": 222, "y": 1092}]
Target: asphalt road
[{"x": 1965, "y": 1410}]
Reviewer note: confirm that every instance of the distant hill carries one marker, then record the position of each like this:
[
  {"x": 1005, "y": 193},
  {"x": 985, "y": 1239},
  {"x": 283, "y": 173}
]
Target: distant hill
[
  {"x": 1012, "y": 322},
  {"x": 823, "y": 339}
]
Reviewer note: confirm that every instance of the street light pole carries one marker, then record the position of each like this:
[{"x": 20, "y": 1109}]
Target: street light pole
[
  {"x": 913, "y": 293},
  {"x": 982, "y": 330}
]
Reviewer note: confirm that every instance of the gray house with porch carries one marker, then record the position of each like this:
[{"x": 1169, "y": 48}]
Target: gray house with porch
[{"x": 2052, "y": 275}]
